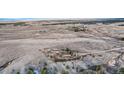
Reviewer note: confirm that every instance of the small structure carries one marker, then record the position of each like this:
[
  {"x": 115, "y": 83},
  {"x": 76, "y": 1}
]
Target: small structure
[
  {"x": 78, "y": 28},
  {"x": 59, "y": 55}
]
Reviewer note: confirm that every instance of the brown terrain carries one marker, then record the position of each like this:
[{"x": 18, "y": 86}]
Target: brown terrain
[{"x": 63, "y": 46}]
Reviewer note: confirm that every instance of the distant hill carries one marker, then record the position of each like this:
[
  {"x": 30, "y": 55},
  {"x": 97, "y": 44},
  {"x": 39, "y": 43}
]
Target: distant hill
[{"x": 80, "y": 20}]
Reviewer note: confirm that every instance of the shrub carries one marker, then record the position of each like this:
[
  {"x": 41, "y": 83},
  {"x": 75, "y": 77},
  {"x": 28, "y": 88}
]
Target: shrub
[
  {"x": 121, "y": 71},
  {"x": 95, "y": 67},
  {"x": 44, "y": 71},
  {"x": 18, "y": 72},
  {"x": 30, "y": 71}
]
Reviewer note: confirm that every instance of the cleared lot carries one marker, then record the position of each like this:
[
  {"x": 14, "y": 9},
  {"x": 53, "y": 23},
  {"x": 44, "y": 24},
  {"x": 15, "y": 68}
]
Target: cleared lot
[{"x": 100, "y": 47}]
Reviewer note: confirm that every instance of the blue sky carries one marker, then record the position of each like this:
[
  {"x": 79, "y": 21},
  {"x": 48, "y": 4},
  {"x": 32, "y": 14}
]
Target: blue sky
[{"x": 16, "y": 19}]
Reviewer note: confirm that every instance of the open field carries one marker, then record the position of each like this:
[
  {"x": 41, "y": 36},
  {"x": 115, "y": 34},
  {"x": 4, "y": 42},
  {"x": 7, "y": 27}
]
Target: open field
[{"x": 62, "y": 46}]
